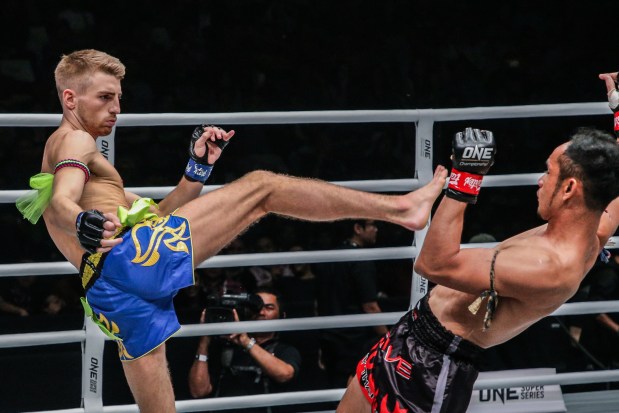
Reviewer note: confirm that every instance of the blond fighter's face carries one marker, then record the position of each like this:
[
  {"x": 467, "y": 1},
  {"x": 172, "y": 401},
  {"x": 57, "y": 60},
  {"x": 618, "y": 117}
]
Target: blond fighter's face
[{"x": 97, "y": 106}]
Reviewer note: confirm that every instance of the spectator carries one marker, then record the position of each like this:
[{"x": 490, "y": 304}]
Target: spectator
[
  {"x": 243, "y": 364},
  {"x": 600, "y": 336},
  {"x": 298, "y": 285},
  {"x": 22, "y": 296},
  {"x": 237, "y": 279},
  {"x": 348, "y": 288},
  {"x": 265, "y": 274}
]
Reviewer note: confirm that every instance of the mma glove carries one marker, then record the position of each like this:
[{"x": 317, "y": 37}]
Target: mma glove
[
  {"x": 198, "y": 169},
  {"x": 89, "y": 225},
  {"x": 472, "y": 156},
  {"x": 613, "y": 103}
]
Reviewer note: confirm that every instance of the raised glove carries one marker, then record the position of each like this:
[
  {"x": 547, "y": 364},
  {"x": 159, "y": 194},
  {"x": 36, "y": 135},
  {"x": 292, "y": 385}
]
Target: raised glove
[
  {"x": 89, "y": 226},
  {"x": 613, "y": 102},
  {"x": 198, "y": 168},
  {"x": 472, "y": 157}
]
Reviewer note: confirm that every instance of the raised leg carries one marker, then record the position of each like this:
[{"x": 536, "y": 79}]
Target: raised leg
[
  {"x": 353, "y": 400},
  {"x": 218, "y": 217},
  {"x": 150, "y": 383}
]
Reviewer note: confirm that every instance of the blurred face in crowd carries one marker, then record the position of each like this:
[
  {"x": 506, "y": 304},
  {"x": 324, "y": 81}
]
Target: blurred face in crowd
[
  {"x": 270, "y": 311},
  {"x": 367, "y": 233}
]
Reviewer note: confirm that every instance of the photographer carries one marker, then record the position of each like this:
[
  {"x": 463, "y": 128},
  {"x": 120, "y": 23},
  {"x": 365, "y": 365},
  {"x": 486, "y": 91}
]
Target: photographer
[{"x": 242, "y": 364}]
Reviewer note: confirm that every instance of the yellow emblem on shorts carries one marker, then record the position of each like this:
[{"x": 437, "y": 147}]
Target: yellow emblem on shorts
[{"x": 172, "y": 238}]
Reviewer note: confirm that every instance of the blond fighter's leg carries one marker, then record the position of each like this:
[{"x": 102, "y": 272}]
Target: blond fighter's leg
[
  {"x": 150, "y": 383},
  {"x": 219, "y": 216},
  {"x": 353, "y": 400}
]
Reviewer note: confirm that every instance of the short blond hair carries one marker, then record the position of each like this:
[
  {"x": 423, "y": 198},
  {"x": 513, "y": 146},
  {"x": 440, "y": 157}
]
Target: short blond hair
[{"x": 74, "y": 70}]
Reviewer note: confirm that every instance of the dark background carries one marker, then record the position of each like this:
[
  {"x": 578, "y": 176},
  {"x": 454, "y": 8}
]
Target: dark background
[{"x": 250, "y": 55}]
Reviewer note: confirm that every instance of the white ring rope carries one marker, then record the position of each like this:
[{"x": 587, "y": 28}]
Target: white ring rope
[
  {"x": 332, "y": 395},
  {"x": 332, "y": 116},
  {"x": 292, "y": 324},
  {"x": 427, "y": 117},
  {"x": 240, "y": 260}
]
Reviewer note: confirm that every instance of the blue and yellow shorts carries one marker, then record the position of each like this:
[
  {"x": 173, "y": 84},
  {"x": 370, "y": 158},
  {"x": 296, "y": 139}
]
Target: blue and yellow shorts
[{"x": 130, "y": 288}]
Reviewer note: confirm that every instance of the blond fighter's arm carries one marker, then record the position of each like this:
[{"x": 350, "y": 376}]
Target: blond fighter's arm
[
  {"x": 205, "y": 150},
  {"x": 69, "y": 184}
]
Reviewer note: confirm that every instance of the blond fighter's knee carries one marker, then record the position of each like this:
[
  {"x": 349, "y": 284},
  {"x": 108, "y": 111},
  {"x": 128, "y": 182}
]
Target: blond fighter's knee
[{"x": 260, "y": 176}]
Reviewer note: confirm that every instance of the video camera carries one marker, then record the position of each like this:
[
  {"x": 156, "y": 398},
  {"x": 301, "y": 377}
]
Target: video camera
[{"x": 219, "y": 308}]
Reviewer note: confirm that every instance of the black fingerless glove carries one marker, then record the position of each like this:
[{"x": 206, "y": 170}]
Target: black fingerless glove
[
  {"x": 472, "y": 156},
  {"x": 198, "y": 169},
  {"x": 89, "y": 225}
]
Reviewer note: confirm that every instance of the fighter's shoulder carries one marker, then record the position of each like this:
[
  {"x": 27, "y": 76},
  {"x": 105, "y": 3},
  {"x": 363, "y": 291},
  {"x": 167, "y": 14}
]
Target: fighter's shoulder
[
  {"x": 68, "y": 143},
  {"x": 533, "y": 269},
  {"x": 72, "y": 137},
  {"x": 531, "y": 254}
]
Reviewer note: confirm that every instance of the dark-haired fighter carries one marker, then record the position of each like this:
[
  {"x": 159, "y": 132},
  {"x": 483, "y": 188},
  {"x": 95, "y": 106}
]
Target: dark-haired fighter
[
  {"x": 139, "y": 254},
  {"x": 426, "y": 362}
]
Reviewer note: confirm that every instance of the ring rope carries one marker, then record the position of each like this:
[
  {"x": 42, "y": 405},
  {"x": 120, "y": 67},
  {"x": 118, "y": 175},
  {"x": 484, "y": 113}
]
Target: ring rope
[
  {"x": 272, "y": 258},
  {"x": 330, "y": 116},
  {"x": 292, "y": 324},
  {"x": 332, "y": 395}
]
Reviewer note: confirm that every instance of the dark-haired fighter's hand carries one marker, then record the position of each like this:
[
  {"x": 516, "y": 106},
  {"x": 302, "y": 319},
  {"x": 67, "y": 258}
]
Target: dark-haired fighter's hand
[
  {"x": 472, "y": 157},
  {"x": 610, "y": 79}
]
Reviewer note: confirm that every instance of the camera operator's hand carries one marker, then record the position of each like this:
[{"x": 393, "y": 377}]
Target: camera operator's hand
[
  {"x": 204, "y": 340},
  {"x": 240, "y": 339},
  {"x": 199, "y": 378}
]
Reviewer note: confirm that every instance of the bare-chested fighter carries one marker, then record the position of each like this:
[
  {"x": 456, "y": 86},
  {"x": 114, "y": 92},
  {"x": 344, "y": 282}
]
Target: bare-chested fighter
[
  {"x": 426, "y": 362},
  {"x": 139, "y": 254}
]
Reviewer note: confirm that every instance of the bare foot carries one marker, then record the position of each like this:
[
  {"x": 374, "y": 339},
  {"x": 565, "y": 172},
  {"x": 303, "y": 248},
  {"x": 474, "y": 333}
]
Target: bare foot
[{"x": 420, "y": 202}]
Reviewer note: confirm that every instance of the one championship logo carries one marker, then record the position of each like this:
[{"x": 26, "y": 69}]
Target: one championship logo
[{"x": 477, "y": 153}]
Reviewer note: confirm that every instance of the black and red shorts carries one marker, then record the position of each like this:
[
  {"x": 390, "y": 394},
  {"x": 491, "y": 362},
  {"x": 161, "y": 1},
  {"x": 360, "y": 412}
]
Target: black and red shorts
[{"x": 418, "y": 367}]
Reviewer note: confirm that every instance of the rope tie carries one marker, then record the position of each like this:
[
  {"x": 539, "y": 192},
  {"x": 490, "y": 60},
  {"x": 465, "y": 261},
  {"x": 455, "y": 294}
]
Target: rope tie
[{"x": 491, "y": 294}]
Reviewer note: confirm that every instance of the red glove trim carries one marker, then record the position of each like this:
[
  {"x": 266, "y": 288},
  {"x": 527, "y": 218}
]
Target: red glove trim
[
  {"x": 617, "y": 123},
  {"x": 465, "y": 182}
]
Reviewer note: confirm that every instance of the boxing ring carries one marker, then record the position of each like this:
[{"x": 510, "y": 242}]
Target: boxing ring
[{"x": 92, "y": 340}]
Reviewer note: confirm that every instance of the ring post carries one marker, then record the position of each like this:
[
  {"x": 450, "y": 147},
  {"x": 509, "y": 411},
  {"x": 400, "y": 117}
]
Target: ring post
[
  {"x": 92, "y": 368},
  {"x": 105, "y": 144},
  {"x": 423, "y": 171}
]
